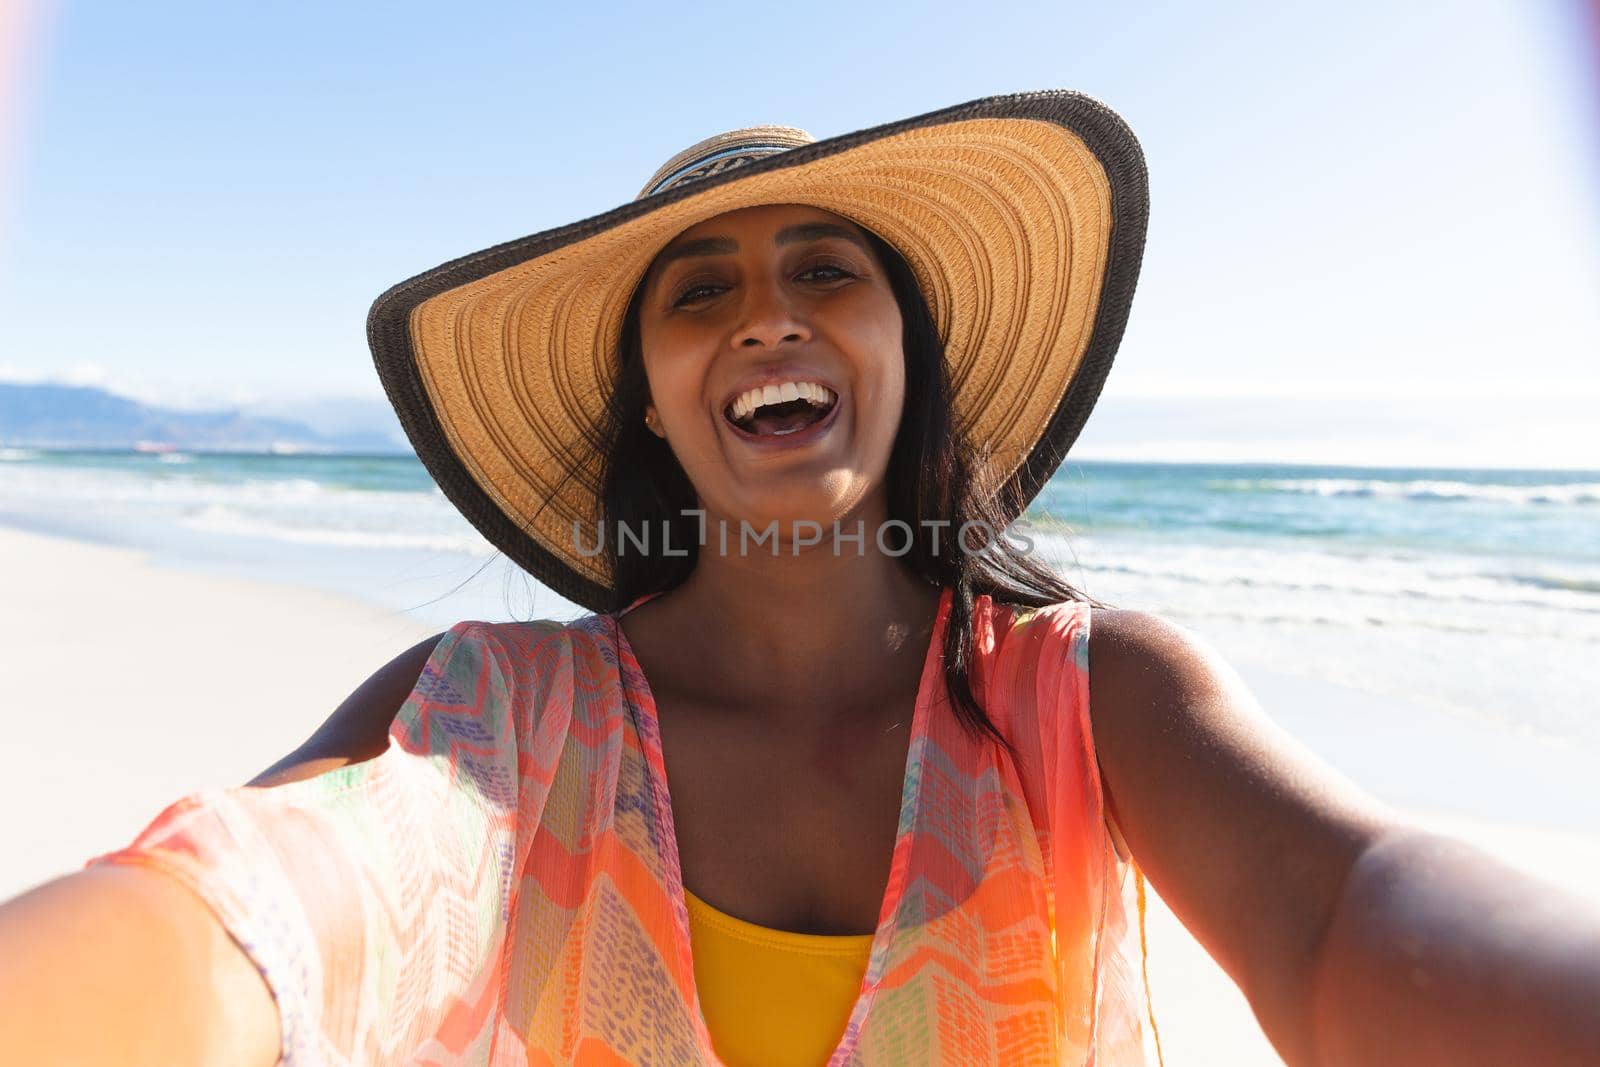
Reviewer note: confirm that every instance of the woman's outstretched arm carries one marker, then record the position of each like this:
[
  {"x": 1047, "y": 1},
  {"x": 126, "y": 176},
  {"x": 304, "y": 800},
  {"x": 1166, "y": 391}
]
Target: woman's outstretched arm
[
  {"x": 1445, "y": 955},
  {"x": 121, "y": 965},
  {"x": 1357, "y": 937}
]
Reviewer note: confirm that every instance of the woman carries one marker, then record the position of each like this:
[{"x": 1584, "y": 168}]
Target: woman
[{"x": 772, "y": 421}]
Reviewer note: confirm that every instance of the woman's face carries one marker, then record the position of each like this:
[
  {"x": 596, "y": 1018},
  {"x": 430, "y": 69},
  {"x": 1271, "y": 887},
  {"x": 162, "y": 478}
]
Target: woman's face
[{"x": 790, "y": 305}]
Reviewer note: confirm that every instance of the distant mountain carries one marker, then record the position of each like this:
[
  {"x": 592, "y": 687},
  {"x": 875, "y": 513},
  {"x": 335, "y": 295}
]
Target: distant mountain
[
  {"x": 70, "y": 416},
  {"x": 335, "y": 416}
]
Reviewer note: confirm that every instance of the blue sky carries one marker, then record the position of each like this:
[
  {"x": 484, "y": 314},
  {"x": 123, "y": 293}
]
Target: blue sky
[{"x": 1375, "y": 227}]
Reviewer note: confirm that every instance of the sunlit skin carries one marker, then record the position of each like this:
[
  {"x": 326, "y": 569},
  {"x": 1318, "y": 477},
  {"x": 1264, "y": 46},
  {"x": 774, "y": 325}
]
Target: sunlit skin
[{"x": 785, "y": 684}]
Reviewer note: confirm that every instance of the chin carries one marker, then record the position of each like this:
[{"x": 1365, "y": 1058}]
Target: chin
[{"x": 803, "y": 509}]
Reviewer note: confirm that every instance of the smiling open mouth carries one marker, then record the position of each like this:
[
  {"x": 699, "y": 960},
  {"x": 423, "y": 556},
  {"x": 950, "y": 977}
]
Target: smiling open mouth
[{"x": 779, "y": 410}]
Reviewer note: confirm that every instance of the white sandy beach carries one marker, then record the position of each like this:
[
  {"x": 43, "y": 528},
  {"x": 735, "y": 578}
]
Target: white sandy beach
[{"x": 127, "y": 685}]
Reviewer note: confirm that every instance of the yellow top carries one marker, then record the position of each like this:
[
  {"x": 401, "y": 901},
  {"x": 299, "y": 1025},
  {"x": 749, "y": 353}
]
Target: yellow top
[{"x": 773, "y": 997}]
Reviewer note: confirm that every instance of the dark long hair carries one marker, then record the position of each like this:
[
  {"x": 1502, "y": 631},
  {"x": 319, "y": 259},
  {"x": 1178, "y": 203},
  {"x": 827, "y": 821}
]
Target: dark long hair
[{"x": 932, "y": 479}]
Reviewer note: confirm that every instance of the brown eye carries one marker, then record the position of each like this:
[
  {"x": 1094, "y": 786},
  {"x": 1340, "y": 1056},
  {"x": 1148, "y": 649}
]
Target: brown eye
[
  {"x": 826, "y": 272},
  {"x": 696, "y": 294}
]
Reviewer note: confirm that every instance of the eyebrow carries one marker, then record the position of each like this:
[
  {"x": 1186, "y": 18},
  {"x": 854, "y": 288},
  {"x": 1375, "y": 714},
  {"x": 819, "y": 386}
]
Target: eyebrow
[
  {"x": 705, "y": 246},
  {"x": 727, "y": 246},
  {"x": 815, "y": 231}
]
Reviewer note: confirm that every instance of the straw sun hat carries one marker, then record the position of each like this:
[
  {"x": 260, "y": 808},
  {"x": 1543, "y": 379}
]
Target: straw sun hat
[{"x": 1023, "y": 218}]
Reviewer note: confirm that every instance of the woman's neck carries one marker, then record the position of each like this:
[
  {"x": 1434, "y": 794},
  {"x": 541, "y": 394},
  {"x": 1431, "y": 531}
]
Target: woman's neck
[{"x": 803, "y": 636}]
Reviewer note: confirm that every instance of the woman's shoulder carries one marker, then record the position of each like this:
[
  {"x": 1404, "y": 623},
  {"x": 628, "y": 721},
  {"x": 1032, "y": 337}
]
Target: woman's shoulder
[
  {"x": 1075, "y": 622},
  {"x": 582, "y": 632},
  {"x": 1128, "y": 654},
  {"x": 1030, "y": 662},
  {"x": 1135, "y": 650},
  {"x": 534, "y": 652},
  {"x": 1025, "y": 651},
  {"x": 999, "y": 624}
]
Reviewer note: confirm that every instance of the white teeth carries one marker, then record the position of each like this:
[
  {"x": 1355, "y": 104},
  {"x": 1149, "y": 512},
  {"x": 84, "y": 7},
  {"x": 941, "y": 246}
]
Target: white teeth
[{"x": 745, "y": 404}]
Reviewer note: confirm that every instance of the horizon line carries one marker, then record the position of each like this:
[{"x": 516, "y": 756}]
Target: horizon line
[{"x": 1109, "y": 460}]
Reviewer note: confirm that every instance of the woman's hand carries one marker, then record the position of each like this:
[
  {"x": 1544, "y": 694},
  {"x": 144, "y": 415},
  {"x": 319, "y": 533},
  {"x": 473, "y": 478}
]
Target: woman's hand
[{"x": 1356, "y": 937}]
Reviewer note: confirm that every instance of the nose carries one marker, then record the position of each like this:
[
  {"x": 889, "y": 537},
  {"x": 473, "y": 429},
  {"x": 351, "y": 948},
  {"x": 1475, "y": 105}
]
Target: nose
[{"x": 769, "y": 319}]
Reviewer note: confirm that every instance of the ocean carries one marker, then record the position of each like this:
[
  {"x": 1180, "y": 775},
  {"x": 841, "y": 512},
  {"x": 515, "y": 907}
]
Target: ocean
[{"x": 1475, "y": 593}]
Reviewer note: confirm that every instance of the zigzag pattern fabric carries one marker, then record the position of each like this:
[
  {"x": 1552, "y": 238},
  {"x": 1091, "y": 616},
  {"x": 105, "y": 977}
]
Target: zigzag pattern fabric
[{"x": 501, "y": 886}]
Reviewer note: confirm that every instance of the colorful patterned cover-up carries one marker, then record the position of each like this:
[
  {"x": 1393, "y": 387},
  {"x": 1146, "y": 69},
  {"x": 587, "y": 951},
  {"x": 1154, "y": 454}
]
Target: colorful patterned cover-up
[{"x": 501, "y": 885}]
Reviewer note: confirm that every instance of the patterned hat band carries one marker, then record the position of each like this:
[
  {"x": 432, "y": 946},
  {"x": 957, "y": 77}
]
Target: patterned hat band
[{"x": 724, "y": 152}]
